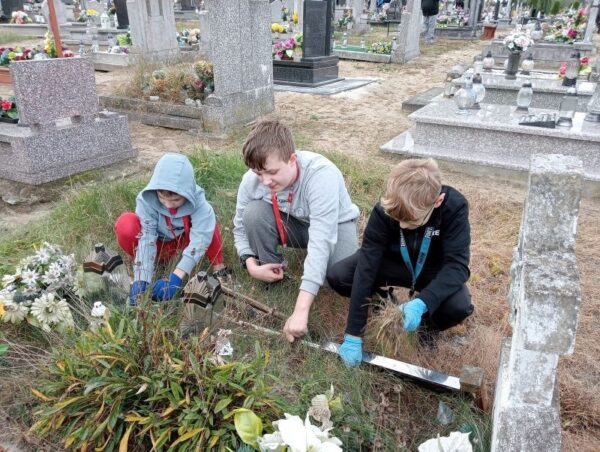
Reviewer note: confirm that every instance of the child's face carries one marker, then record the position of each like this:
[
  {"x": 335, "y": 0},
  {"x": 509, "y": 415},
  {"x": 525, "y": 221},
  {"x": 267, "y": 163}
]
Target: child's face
[
  {"x": 170, "y": 200},
  {"x": 278, "y": 175}
]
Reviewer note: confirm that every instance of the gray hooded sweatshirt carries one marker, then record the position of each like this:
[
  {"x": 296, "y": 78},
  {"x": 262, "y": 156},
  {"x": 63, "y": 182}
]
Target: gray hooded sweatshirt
[
  {"x": 320, "y": 199},
  {"x": 173, "y": 172}
]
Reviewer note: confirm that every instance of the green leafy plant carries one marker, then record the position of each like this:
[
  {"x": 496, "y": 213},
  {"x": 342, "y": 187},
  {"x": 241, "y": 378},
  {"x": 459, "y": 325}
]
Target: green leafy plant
[
  {"x": 136, "y": 383},
  {"x": 555, "y": 9},
  {"x": 124, "y": 39}
]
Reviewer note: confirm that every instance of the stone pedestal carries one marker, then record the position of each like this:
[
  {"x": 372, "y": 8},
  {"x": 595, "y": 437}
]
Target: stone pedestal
[
  {"x": 313, "y": 72},
  {"x": 61, "y": 132},
  {"x": 491, "y": 137}
]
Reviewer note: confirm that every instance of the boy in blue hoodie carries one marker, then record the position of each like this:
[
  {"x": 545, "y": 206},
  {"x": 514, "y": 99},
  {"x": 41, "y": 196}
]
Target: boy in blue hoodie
[{"x": 171, "y": 215}]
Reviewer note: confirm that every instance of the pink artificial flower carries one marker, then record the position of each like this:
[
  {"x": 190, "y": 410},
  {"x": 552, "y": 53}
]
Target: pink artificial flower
[
  {"x": 68, "y": 54},
  {"x": 562, "y": 70},
  {"x": 584, "y": 60},
  {"x": 572, "y": 33},
  {"x": 6, "y": 104},
  {"x": 198, "y": 84}
]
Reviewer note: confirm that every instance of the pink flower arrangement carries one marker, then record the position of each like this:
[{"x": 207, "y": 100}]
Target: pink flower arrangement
[{"x": 284, "y": 49}]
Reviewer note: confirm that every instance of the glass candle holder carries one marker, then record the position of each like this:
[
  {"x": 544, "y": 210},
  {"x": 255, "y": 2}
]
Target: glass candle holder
[
  {"x": 524, "y": 97},
  {"x": 465, "y": 97}
]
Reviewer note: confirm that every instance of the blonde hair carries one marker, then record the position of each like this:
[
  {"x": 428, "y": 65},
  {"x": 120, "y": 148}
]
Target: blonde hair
[
  {"x": 412, "y": 189},
  {"x": 268, "y": 137}
]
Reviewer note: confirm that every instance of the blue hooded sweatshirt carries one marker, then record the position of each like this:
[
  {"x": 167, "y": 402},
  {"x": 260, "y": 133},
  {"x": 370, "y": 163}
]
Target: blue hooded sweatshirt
[{"x": 173, "y": 172}]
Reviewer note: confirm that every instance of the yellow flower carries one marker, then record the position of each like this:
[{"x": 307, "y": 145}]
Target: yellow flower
[
  {"x": 277, "y": 28},
  {"x": 1, "y": 310},
  {"x": 92, "y": 12},
  {"x": 295, "y": 17}
]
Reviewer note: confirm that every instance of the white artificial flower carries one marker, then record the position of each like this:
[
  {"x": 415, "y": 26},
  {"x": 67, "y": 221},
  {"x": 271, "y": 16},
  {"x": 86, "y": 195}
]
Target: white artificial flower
[
  {"x": 9, "y": 279},
  {"x": 29, "y": 277},
  {"x": 51, "y": 277},
  {"x": 14, "y": 312},
  {"x": 55, "y": 267},
  {"x": 67, "y": 262},
  {"x": 98, "y": 310},
  {"x": 49, "y": 310},
  {"x": 42, "y": 256},
  {"x": 27, "y": 262}
]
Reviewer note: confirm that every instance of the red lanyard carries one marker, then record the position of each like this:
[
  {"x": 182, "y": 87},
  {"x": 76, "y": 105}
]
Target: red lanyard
[
  {"x": 186, "y": 226},
  {"x": 277, "y": 214}
]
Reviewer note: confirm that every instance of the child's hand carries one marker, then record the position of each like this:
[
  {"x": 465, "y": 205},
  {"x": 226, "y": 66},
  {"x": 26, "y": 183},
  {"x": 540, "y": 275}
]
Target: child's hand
[
  {"x": 267, "y": 272},
  {"x": 166, "y": 289},
  {"x": 137, "y": 288}
]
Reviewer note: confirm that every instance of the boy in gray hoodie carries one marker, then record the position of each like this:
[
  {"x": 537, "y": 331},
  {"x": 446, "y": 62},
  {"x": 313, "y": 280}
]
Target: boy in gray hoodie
[
  {"x": 297, "y": 199},
  {"x": 171, "y": 216}
]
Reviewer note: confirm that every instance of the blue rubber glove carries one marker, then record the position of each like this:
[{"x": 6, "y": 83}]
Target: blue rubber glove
[
  {"x": 351, "y": 350},
  {"x": 137, "y": 288},
  {"x": 412, "y": 312},
  {"x": 165, "y": 290}
]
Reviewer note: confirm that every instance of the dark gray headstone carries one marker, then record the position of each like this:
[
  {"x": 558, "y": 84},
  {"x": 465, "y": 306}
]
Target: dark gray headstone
[
  {"x": 317, "y": 28},
  {"x": 10, "y": 6},
  {"x": 122, "y": 17}
]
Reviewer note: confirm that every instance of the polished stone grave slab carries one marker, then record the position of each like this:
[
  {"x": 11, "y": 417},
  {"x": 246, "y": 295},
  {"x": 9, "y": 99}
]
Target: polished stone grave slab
[
  {"x": 346, "y": 84},
  {"x": 492, "y": 137},
  {"x": 547, "y": 89}
]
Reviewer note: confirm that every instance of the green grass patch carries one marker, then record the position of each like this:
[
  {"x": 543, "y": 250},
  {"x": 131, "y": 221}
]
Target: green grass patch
[
  {"x": 380, "y": 411},
  {"x": 9, "y": 37}
]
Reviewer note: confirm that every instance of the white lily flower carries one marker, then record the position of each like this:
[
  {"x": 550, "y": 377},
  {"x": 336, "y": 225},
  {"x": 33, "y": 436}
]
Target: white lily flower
[
  {"x": 14, "y": 312},
  {"x": 456, "y": 442},
  {"x": 271, "y": 442}
]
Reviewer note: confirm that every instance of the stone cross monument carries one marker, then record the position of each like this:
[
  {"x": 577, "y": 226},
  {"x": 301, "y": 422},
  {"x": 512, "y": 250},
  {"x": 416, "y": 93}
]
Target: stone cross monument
[
  {"x": 591, "y": 23},
  {"x": 544, "y": 300}
]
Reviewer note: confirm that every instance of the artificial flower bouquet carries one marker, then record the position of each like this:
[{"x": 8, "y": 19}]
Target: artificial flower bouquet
[
  {"x": 285, "y": 49},
  {"x": 10, "y": 54},
  {"x": 8, "y": 108},
  {"x": 518, "y": 42},
  {"x": 381, "y": 47},
  {"x": 38, "y": 289},
  {"x": 20, "y": 18}
]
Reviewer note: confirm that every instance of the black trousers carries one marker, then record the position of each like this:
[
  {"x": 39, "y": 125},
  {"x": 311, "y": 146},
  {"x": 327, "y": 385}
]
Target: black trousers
[{"x": 393, "y": 272}]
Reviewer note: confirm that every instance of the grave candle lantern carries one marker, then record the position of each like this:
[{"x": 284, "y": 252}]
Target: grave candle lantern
[
  {"x": 479, "y": 90},
  {"x": 524, "y": 97},
  {"x": 478, "y": 65},
  {"x": 572, "y": 70},
  {"x": 568, "y": 106},
  {"x": 488, "y": 62},
  {"x": 527, "y": 65},
  {"x": 465, "y": 97}
]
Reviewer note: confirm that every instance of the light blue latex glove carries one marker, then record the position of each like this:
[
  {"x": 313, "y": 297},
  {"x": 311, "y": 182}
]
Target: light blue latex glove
[
  {"x": 351, "y": 350},
  {"x": 412, "y": 312},
  {"x": 137, "y": 288},
  {"x": 165, "y": 290}
]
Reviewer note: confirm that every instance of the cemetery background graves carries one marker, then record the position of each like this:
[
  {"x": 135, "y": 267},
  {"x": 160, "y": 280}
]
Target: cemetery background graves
[{"x": 379, "y": 411}]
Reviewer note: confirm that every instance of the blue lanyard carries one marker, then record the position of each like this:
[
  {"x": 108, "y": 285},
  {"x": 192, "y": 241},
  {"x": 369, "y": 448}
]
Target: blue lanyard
[{"x": 415, "y": 272}]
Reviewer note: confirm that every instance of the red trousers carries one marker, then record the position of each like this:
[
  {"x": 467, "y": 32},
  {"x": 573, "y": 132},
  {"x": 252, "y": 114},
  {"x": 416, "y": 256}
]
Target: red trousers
[{"x": 128, "y": 230}]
